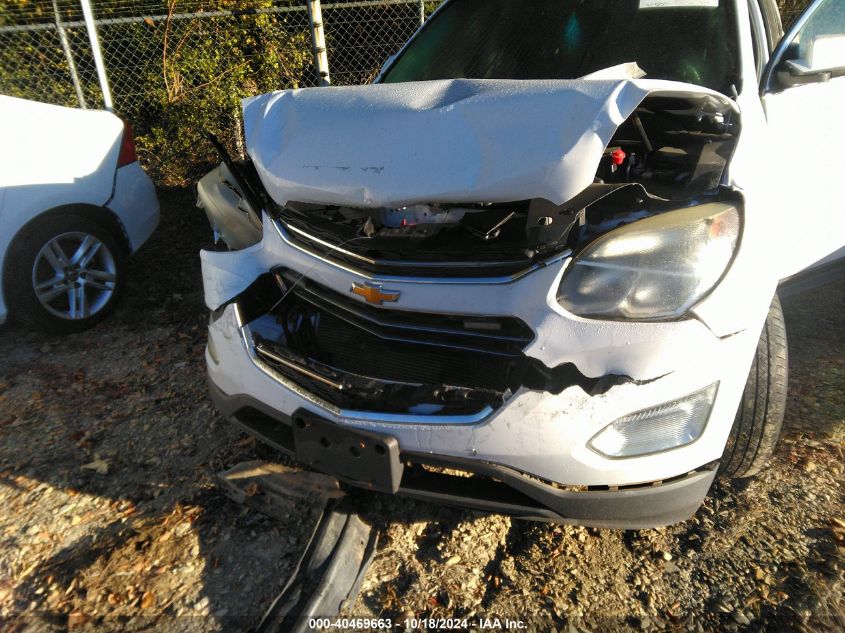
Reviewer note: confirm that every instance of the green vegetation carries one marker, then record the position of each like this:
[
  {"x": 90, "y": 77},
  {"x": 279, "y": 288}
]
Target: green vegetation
[
  {"x": 195, "y": 82},
  {"x": 171, "y": 78}
]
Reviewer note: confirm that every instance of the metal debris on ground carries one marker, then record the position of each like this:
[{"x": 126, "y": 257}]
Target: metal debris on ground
[{"x": 341, "y": 548}]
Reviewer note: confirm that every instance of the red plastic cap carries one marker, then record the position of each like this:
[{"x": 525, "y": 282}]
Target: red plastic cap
[
  {"x": 127, "y": 154},
  {"x": 618, "y": 156}
]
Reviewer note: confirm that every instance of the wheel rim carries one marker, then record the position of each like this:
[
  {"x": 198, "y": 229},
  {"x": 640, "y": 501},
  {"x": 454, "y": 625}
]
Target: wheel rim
[{"x": 74, "y": 276}]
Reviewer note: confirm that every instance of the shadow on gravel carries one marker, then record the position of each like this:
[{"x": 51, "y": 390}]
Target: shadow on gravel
[{"x": 108, "y": 450}]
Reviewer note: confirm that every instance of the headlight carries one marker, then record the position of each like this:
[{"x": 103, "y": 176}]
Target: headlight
[{"x": 655, "y": 268}]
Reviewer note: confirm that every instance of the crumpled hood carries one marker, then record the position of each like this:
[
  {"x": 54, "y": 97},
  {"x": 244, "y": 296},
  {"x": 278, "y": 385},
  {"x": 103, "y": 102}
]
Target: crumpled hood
[{"x": 445, "y": 141}]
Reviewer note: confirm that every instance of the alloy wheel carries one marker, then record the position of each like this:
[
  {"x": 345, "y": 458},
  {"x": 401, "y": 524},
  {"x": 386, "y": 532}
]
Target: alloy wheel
[{"x": 74, "y": 276}]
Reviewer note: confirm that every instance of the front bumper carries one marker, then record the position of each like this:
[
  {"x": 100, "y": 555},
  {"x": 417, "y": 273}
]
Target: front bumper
[
  {"x": 536, "y": 436},
  {"x": 496, "y": 488}
]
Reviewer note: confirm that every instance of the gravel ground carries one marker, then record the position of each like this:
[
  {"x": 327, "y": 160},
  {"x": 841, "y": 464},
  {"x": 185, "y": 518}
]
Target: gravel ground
[{"x": 108, "y": 448}]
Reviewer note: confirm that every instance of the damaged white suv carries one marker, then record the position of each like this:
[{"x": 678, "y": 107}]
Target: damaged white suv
[{"x": 528, "y": 270}]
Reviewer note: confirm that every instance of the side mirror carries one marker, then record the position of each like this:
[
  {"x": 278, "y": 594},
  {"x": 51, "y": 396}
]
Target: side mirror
[{"x": 823, "y": 58}]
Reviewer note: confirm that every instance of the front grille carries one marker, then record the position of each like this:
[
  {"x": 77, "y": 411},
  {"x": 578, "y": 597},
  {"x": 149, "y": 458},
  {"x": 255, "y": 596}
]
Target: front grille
[
  {"x": 487, "y": 259},
  {"x": 342, "y": 345},
  {"x": 358, "y": 355}
]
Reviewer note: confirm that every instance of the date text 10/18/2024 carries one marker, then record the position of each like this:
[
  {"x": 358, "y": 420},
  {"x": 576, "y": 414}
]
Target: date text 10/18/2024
[{"x": 416, "y": 624}]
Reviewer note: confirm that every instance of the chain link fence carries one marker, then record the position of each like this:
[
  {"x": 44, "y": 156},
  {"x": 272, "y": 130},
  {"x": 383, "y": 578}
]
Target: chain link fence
[
  {"x": 360, "y": 36},
  {"x": 790, "y": 10},
  {"x": 178, "y": 67},
  {"x": 45, "y": 53}
]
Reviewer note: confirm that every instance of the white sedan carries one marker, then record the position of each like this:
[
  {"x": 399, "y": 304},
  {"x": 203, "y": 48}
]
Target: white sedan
[{"x": 74, "y": 202}]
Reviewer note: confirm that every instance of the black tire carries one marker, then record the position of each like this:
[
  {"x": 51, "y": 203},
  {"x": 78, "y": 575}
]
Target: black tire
[
  {"x": 24, "y": 303},
  {"x": 759, "y": 419}
]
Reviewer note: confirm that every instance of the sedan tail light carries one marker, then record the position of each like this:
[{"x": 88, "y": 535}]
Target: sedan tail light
[{"x": 127, "y": 147}]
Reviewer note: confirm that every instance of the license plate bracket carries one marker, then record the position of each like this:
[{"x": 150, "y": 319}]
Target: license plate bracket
[{"x": 366, "y": 459}]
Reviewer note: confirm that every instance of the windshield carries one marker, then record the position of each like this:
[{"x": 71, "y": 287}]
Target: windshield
[{"x": 685, "y": 40}]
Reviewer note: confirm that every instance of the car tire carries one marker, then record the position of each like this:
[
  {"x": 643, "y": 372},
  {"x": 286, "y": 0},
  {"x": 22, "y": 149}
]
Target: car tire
[
  {"x": 65, "y": 273},
  {"x": 758, "y": 421}
]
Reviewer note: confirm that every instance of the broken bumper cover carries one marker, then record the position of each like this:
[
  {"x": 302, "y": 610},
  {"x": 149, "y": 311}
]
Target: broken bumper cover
[
  {"x": 530, "y": 454},
  {"x": 496, "y": 488},
  {"x": 532, "y": 439}
]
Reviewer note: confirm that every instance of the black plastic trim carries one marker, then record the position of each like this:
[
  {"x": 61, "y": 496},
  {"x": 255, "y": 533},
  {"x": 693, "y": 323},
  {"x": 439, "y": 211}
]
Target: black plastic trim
[{"x": 501, "y": 489}]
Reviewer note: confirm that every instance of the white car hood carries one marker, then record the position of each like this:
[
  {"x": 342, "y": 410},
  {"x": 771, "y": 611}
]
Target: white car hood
[{"x": 445, "y": 141}]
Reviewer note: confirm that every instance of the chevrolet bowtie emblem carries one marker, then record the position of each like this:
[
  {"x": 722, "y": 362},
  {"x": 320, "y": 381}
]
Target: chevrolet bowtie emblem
[{"x": 374, "y": 293}]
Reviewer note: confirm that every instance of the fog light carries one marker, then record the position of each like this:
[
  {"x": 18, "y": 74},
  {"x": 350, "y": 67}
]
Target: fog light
[{"x": 661, "y": 428}]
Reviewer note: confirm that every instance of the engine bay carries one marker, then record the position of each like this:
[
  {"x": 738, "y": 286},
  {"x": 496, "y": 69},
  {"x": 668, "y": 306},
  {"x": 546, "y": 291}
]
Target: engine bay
[{"x": 670, "y": 153}]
